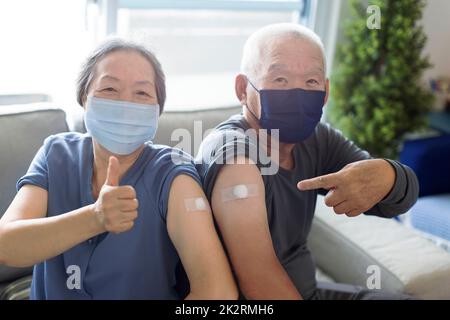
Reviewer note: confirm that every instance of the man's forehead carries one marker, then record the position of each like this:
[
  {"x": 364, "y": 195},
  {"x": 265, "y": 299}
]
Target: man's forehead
[
  {"x": 282, "y": 55},
  {"x": 315, "y": 67}
]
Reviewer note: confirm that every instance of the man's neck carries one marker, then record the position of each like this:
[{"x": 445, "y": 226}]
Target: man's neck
[{"x": 285, "y": 150}]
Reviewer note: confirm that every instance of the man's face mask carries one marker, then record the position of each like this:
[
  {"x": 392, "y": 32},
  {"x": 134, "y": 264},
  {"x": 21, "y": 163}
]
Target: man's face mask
[
  {"x": 121, "y": 127},
  {"x": 295, "y": 112}
]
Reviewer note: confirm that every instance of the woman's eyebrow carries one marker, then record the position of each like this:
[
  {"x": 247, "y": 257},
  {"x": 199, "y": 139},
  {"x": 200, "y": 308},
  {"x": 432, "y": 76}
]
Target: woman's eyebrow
[
  {"x": 108, "y": 77},
  {"x": 144, "y": 82},
  {"x": 115, "y": 79}
]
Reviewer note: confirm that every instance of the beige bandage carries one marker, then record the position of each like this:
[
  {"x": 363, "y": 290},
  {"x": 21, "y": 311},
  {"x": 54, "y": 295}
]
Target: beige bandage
[
  {"x": 240, "y": 191},
  {"x": 195, "y": 204}
]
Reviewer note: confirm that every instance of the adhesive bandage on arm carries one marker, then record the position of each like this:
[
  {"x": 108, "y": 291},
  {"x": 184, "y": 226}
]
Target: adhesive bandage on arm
[
  {"x": 195, "y": 204},
  {"x": 239, "y": 191}
]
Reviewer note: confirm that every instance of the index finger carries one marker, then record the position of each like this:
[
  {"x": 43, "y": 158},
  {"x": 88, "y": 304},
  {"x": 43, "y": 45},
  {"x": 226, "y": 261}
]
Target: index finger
[{"x": 322, "y": 182}]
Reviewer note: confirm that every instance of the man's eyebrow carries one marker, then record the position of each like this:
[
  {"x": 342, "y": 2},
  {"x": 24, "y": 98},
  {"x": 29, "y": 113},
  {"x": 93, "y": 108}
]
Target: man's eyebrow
[
  {"x": 316, "y": 70},
  {"x": 277, "y": 66}
]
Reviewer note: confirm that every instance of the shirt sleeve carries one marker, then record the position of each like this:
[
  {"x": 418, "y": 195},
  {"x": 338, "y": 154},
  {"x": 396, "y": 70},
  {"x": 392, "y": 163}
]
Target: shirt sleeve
[
  {"x": 37, "y": 173},
  {"x": 340, "y": 151},
  {"x": 171, "y": 165},
  {"x": 216, "y": 151}
]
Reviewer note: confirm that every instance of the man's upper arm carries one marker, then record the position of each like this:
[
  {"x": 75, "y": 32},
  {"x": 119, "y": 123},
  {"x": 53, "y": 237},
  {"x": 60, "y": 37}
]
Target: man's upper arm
[{"x": 245, "y": 230}]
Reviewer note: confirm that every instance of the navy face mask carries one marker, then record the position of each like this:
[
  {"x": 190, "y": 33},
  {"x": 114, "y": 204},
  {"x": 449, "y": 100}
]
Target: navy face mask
[{"x": 295, "y": 112}]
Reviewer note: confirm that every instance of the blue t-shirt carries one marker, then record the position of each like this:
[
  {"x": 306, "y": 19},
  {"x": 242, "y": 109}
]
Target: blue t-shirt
[{"x": 141, "y": 263}]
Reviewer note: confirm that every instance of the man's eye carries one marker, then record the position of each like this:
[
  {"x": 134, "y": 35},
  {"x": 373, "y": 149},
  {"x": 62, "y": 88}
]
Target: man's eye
[
  {"x": 312, "y": 81},
  {"x": 281, "y": 80}
]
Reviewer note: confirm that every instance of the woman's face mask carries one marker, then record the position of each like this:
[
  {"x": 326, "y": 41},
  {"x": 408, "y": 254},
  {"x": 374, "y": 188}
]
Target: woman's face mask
[
  {"x": 121, "y": 127},
  {"x": 295, "y": 112}
]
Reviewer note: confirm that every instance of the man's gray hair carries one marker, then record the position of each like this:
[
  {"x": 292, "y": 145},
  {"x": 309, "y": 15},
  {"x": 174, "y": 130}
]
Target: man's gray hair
[
  {"x": 88, "y": 69},
  {"x": 258, "y": 41}
]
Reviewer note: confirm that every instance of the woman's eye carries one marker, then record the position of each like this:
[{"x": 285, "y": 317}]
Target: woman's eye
[
  {"x": 109, "y": 89},
  {"x": 312, "y": 81},
  {"x": 143, "y": 93}
]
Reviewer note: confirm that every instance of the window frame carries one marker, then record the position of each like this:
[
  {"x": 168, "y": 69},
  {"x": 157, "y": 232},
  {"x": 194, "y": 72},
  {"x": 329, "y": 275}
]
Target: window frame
[{"x": 108, "y": 9}]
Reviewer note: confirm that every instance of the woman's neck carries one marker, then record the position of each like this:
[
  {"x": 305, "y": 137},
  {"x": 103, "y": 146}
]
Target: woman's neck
[{"x": 100, "y": 166}]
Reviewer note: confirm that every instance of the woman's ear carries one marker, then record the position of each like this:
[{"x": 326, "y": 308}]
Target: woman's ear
[
  {"x": 240, "y": 87},
  {"x": 84, "y": 103}
]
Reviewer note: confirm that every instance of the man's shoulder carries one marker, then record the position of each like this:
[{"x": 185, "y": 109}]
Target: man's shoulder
[
  {"x": 324, "y": 136},
  {"x": 228, "y": 133},
  {"x": 324, "y": 130},
  {"x": 236, "y": 121}
]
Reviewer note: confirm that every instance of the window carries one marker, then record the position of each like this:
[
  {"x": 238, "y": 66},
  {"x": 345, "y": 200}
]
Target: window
[
  {"x": 199, "y": 43},
  {"x": 43, "y": 45}
]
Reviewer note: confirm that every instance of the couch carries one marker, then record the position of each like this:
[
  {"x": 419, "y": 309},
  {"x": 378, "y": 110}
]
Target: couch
[
  {"x": 430, "y": 160},
  {"x": 345, "y": 249}
]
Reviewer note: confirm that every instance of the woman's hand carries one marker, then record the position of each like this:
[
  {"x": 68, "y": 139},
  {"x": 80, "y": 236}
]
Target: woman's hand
[{"x": 116, "y": 206}]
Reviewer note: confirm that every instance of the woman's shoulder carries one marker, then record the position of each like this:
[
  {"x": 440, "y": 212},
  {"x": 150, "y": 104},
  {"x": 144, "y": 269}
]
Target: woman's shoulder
[
  {"x": 164, "y": 164},
  {"x": 164, "y": 159},
  {"x": 165, "y": 153},
  {"x": 66, "y": 142},
  {"x": 67, "y": 138}
]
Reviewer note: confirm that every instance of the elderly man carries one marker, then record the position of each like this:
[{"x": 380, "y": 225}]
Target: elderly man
[{"x": 265, "y": 216}]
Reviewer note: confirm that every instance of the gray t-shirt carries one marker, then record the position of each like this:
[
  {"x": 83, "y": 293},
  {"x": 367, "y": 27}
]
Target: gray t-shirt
[{"x": 290, "y": 211}]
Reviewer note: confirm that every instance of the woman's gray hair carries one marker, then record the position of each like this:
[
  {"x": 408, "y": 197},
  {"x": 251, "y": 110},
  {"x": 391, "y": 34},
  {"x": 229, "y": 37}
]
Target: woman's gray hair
[{"x": 88, "y": 69}]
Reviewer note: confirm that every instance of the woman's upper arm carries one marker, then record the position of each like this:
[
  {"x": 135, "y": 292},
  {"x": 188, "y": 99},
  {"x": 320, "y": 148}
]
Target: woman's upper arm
[
  {"x": 30, "y": 202},
  {"x": 191, "y": 229}
]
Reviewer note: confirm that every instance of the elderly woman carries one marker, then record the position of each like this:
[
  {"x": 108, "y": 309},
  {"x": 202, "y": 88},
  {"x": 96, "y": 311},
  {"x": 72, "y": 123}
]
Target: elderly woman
[{"x": 108, "y": 214}]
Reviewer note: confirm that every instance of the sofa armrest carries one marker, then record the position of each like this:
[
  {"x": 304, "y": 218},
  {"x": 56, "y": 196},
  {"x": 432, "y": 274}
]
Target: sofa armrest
[
  {"x": 429, "y": 158},
  {"x": 345, "y": 247},
  {"x": 17, "y": 290}
]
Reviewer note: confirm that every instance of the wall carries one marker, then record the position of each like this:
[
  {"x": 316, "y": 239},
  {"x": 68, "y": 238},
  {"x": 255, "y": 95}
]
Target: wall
[{"x": 436, "y": 24}]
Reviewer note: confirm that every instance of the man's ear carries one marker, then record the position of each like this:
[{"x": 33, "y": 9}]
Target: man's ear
[
  {"x": 327, "y": 90},
  {"x": 240, "y": 87}
]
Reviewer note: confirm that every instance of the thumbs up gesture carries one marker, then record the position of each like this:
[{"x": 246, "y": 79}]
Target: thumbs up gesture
[{"x": 116, "y": 206}]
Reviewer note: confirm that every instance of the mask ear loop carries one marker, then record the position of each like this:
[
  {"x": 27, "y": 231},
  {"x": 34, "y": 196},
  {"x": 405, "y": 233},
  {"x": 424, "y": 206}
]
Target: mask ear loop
[{"x": 251, "y": 112}]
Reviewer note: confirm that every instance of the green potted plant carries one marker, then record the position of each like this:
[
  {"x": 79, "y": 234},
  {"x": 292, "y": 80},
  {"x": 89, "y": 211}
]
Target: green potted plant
[{"x": 376, "y": 95}]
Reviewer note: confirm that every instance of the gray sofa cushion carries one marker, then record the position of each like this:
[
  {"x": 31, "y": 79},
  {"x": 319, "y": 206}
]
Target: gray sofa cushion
[
  {"x": 345, "y": 248},
  {"x": 23, "y": 129},
  {"x": 169, "y": 122},
  {"x": 17, "y": 290},
  {"x": 173, "y": 120}
]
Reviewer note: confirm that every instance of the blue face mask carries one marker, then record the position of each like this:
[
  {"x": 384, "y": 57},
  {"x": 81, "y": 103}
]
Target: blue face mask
[
  {"x": 121, "y": 127},
  {"x": 295, "y": 112}
]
